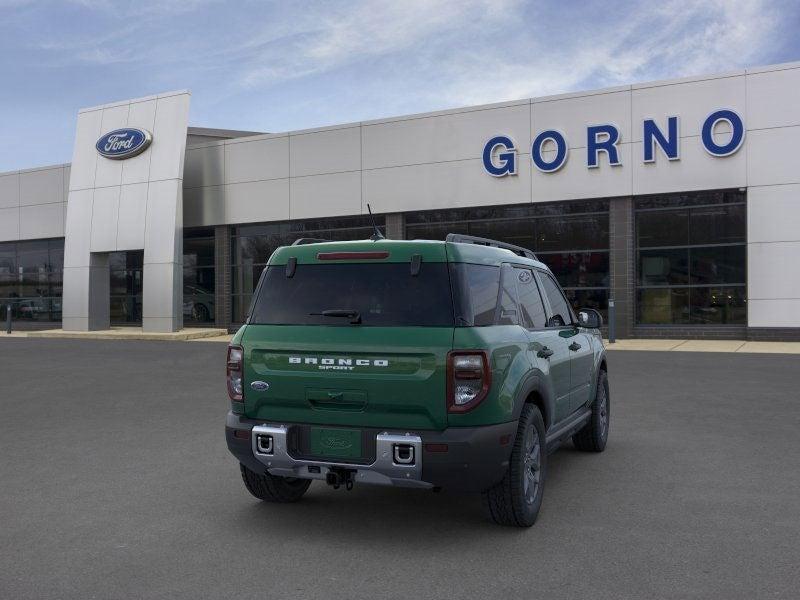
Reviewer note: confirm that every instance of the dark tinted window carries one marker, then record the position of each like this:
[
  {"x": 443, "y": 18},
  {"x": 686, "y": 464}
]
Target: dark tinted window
[
  {"x": 663, "y": 228},
  {"x": 30, "y": 279},
  {"x": 692, "y": 258},
  {"x": 530, "y": 301},
  {"x": 252, "y": 245},
  {"x": 572, "y": 238},
  {"x": 578, "y": 269},
  {"x": 668, "y": 266},
  {"x": 383, "y": 294},
  {"x": 718, "y": 264},
  {"x": 475, "y": 289},
  {"x": 718, "y": 225},
  {"x": 567, "y": 233},
  {"x": 558, "y": 305}
]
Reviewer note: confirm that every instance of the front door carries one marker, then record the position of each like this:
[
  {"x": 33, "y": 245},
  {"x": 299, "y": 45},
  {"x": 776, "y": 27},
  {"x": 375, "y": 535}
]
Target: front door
[
  {"x": 547, "y": 348},
  {"x": 581, "y": 368},
  {"x": 577, "y": 345}
]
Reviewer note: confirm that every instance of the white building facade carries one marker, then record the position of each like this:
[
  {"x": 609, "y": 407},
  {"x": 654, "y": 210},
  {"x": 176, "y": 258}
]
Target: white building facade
[{"x": 677, "y": 200}]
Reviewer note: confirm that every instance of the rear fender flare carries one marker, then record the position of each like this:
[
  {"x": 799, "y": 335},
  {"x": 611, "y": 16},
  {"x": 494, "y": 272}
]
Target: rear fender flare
[{"x": 535, "y": 381}]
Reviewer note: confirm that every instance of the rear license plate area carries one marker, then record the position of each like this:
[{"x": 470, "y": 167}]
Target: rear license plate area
[{"x": 335, "y": 443}]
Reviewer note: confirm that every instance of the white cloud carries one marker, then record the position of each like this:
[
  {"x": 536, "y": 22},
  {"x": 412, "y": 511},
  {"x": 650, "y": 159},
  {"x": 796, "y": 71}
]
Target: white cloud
[
  {"x": 455, "y": 53},
  {"x": 329, "y": 38},
  {"x": 673, "y": 40}
]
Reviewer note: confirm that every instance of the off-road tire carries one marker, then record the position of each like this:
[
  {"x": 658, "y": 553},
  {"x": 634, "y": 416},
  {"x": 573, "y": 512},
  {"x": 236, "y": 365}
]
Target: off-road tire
[
  {"x": 273, "y": 489},
  {"x": 593, "y": 436},
  {"x": 507, "y": 503}
]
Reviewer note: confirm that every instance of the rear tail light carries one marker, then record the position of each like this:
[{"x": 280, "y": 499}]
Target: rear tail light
[
  {"x": 468, "y": 379},
  {"x": 235, "y": 370}
]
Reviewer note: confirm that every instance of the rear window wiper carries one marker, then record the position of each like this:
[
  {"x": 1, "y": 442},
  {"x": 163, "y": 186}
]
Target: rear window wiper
[{"x": 346, "y": 313}]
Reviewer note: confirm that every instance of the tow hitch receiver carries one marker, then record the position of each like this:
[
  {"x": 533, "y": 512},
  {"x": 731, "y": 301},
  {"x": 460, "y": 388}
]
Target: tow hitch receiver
[{"x": 338, "y": 476}]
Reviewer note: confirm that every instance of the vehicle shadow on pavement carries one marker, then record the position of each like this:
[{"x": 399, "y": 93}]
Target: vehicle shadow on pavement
[{"x": 403, "y": 514}]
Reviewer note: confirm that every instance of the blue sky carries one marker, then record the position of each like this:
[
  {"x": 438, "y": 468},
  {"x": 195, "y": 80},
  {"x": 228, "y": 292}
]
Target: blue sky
[{"x": 277, "y": 66}]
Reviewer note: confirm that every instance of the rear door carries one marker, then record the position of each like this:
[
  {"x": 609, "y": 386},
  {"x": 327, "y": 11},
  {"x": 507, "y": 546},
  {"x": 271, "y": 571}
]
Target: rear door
[{"x": 381, "y": 366}]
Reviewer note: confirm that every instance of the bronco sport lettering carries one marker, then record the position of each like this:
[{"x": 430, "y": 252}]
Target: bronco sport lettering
[{"x": 344, "y": 363}]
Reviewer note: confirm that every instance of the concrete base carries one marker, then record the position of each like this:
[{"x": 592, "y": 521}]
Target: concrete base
[{"x": 128, "y": 333}]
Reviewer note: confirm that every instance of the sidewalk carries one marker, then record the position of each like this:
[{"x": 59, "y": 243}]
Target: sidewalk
[
  {"x": 657, "y": 345},
  {"x": 222, "y": 336},
  {"x": 122, "y": 333}
]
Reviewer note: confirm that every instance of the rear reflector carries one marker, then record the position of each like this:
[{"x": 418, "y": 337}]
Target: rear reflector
[
  {"x": 242, "y": 434},
  {"x": 435, "y": 447},
  {"x": 351, "y": 255}
]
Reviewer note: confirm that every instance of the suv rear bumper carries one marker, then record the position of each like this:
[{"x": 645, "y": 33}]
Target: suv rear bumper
[{"x": 458, "y": 458}]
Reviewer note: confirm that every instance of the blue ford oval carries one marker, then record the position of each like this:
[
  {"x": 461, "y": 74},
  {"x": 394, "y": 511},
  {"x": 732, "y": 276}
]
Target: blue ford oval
[{"x": 123, "y": 143}]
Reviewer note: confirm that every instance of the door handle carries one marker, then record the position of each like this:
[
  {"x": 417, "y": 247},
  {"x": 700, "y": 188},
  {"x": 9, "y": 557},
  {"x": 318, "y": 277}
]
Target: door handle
[
  {"x": 574, "y": 346},
  {"x": 545, "y": 352}
]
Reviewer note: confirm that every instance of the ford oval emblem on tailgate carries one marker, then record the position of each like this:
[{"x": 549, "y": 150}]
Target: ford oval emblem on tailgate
[{"x": 260, "y": 386}]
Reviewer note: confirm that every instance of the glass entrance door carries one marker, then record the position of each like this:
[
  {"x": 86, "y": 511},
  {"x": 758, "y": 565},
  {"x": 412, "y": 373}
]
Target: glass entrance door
[{"x": 126, "y": 287}]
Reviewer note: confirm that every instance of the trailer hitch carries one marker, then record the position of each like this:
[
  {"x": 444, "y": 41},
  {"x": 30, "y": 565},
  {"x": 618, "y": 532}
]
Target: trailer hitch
[{"x": 338, "y": 476}]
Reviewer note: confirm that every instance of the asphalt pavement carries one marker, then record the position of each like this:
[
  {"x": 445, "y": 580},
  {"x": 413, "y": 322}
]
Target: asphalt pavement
[{"x": 115, "y": 482}]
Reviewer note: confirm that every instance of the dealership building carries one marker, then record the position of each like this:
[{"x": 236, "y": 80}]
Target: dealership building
[{"x": 677, "y": 200}]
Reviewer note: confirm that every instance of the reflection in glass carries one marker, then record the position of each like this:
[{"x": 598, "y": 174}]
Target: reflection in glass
[
  {"x": 30, "y": 279},
  {"x": 252, "y": 245},
  {"x": 687, "y": 246},
  {"x": 572, "y": 238}
]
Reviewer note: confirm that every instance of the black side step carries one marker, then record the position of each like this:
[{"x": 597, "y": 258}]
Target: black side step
[{"x": 558, "y": 434}]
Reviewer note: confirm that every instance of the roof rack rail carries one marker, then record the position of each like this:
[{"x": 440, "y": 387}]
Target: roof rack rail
[
  {"x": 304, "y": 241},
  {"x": 471, "y": 239}
]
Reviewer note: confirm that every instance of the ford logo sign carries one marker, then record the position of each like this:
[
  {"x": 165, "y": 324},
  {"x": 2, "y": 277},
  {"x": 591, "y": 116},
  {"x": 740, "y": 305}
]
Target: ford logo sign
[
  {"x": 123, "y": 143},
  {"x": 260, "y": 386}
]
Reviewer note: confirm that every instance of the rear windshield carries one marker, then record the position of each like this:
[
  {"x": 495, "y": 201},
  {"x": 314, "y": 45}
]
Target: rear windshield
[{"x": 384, "y": 295}]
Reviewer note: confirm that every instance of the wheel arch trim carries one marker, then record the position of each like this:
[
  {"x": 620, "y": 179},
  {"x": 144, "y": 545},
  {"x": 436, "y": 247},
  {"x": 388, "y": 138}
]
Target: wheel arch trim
[{"x": 535, "y": 384}]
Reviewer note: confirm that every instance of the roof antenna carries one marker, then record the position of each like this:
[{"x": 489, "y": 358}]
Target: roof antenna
[{"x": 377, "y": 235}]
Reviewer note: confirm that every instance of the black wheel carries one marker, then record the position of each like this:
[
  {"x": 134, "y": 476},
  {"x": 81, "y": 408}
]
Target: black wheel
[
  {"x": 516, "y": 500},
  {"x": 273, "y": 489},
  {"x": 594, "y": 435}
]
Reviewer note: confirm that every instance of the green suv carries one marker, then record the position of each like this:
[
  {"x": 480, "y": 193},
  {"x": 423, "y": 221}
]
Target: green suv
[{"x": 426, "y": 364}]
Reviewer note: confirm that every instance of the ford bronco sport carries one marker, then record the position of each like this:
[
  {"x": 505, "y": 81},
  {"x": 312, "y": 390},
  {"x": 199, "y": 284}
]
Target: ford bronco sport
[{"x": 426, "y": 364}]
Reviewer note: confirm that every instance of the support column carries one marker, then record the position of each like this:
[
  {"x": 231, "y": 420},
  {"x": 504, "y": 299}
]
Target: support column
[
  {"x": 621, "y": 263},
  {"x": 99, "y": 292},
  {"x": 222, "y": 276},
  {"x": 86, "y": 303},
  {"x": 162, "y": 276}
]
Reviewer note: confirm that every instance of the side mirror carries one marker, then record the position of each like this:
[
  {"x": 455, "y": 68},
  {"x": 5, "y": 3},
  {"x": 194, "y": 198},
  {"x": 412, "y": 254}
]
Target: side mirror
[{"x": 590, "y": 318}]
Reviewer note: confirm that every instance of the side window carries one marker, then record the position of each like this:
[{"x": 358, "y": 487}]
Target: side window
[
  {"x": 475, "y": 289},
  {"x": 530, "y": 301},
  {"x": 507, "y": 298},
  {"x": 561, "y": 313}
]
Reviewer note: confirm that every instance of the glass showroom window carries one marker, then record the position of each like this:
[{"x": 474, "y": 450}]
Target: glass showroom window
[
  {"x": 126, "y": 287},
  {"x": 31, "y": 275},
  {"x": 569, "y": 237},
  {"x": 198, "y": 276},
  {"x": 691, "y": 259},
  {"x": 252, "y": 245}
]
